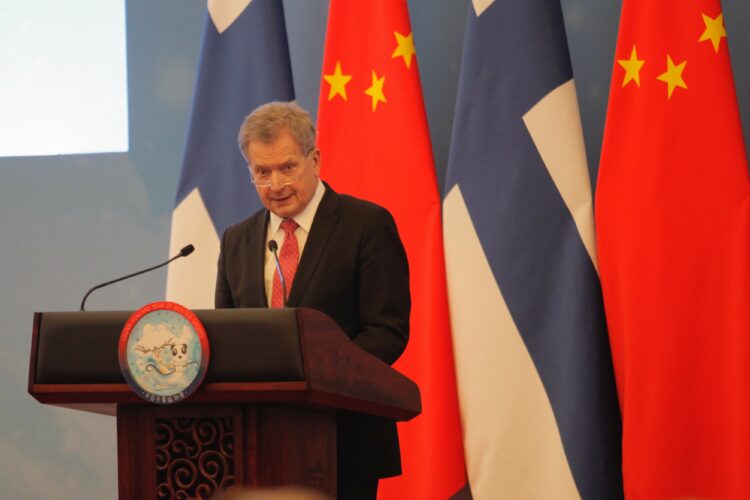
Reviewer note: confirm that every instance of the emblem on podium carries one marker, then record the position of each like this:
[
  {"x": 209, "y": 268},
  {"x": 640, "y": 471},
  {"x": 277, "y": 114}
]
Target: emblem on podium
[{"x": 163, "y": 352}]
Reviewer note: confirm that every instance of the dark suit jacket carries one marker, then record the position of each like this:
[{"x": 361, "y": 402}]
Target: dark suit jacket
[{"x": 354, "y": 269}]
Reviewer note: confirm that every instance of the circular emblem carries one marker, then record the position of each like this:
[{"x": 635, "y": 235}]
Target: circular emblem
[{"x": 163, "y": 352}]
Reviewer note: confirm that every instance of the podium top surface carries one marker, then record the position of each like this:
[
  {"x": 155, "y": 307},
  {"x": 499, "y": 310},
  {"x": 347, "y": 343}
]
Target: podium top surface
[
  {"x": 246, "y": 345},
  {"x": 257, "y": 355}
]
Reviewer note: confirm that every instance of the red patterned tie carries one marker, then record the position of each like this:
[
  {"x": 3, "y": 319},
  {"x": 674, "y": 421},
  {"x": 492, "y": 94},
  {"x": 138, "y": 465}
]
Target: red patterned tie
[{"x": 288, "y": 258}]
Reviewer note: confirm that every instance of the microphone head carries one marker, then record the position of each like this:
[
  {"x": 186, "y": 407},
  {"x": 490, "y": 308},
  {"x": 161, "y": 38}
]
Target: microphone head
[
  {"x": 187, "y": 250},
  {"x": 273, "y": 246}
]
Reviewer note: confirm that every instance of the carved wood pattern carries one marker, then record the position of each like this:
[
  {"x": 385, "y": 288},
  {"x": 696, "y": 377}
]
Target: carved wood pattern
[{"x": 195, "y": 457}]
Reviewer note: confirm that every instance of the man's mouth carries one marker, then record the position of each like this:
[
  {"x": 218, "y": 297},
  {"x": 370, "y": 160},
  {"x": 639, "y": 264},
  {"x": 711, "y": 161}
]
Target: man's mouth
[{"x": 281, "y": 198}]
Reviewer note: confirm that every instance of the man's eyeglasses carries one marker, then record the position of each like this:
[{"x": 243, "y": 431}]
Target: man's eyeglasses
[{"x": 285, "y": 174}]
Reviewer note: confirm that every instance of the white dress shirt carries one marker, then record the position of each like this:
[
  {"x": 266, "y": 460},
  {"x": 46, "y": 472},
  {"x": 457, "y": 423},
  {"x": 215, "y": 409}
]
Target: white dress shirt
[{"x": 304, "y": 219}]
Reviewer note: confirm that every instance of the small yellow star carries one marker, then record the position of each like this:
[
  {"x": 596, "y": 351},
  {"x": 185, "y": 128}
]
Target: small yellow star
[
  {"x": 632, "y": 68},
  {"x": 405, "y": 47},
  {"x": 376, "y": 90},
  {"x": 714, "y": 30},
  {"x": 338, "y": 82},
  {"x": 673, "y": 76}
]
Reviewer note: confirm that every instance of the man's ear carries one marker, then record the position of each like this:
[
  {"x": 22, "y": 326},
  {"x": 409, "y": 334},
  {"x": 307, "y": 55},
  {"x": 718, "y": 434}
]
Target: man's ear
[{"x": 316, "y": 160}]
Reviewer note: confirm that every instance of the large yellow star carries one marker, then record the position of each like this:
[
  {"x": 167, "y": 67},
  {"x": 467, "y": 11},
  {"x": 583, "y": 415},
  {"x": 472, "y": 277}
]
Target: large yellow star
[
  {"x": 376, "y": 90},
  {"x": 673, "y": 76},
  {"x": 338, "y": 82},
  {"x": 405, "y": 47},
  {"x": 632, "y": 68},
  {"x": 714, "y": 30}
]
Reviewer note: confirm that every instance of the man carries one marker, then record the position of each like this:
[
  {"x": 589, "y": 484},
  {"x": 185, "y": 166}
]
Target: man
[{"x": 339, "y": 255}]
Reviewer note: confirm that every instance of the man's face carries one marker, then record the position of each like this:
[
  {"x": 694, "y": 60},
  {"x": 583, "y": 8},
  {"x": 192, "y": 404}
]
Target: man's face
[{"x": 282, "y": 161}]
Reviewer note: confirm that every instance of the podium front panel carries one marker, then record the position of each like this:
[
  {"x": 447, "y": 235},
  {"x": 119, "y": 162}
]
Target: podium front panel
[{"x": 269, "y": 350}]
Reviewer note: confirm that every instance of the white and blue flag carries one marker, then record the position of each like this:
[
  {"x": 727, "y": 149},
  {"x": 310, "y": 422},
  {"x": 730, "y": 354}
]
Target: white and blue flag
[
  {"x": 536, "y": 387},
  {"x": 244, "y": 63}
]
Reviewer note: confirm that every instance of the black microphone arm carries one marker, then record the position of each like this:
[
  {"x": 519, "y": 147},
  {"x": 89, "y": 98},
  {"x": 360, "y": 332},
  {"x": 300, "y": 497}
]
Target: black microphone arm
[
  {"x": 273, "y": 246},
  {"x": 187, "y": 250}
]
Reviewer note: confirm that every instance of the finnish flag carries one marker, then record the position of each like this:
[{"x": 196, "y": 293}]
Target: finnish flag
[
  {"x": 536, "y": 386},
  {"x": 244, "y": 63}
]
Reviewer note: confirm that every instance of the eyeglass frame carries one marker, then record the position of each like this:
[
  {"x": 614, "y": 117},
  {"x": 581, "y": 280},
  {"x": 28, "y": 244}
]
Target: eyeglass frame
[{"x": 270, "y": 183}]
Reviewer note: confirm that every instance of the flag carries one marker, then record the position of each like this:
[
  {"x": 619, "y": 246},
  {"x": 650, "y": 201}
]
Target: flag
[
  {"x": 534, "y": 371},
  {"x": 375, "y": 144},
  {"x": 673, "y": 221},
  {"x": 244, "y": 63}
]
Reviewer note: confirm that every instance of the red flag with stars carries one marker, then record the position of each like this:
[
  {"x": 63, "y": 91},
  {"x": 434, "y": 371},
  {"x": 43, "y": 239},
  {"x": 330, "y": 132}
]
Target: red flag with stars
[
  {"x": 375, "y": 144},
  {"x": 673, "y": 228}
]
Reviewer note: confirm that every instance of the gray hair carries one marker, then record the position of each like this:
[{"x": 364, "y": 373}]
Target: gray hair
[{"x": 266, "y": 122}]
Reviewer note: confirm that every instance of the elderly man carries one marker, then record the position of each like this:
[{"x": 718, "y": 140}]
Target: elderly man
[{"x": 339, "y": 255}]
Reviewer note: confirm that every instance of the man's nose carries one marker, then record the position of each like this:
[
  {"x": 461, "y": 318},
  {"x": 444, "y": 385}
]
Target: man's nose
[{"x": 277, "y": 181}]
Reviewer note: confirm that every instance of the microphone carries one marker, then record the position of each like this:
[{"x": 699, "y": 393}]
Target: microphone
[
  {"x": 187, "y": 250},
  {"x": 273, "y": 247}
]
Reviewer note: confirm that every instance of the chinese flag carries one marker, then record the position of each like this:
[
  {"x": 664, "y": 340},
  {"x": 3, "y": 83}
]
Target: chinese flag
[
  {"x": 673, "y": 224},
  {"x": 375, "y": 144}
]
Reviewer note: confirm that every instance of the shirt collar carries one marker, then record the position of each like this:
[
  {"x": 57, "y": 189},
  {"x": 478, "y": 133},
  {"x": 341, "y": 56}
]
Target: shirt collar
[{"x": 306, "y": 216}]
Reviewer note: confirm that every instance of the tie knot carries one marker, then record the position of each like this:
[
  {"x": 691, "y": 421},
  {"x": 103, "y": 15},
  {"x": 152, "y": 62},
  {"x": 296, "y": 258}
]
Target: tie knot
[{"x": 289, "y": 226}]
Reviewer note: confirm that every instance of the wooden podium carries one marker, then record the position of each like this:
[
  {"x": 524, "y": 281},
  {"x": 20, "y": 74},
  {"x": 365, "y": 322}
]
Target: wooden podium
[{"x": 264, "y": 416}]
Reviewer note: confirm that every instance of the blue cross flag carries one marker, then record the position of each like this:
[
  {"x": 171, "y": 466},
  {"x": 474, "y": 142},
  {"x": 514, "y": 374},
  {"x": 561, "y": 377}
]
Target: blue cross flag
[
  {"x": 244, "y": 63},
  {"x": 536, "y": 385}
]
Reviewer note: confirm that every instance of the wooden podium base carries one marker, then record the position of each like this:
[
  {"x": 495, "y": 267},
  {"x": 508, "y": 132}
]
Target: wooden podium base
[
  {"x": 191, "y": 451},
  {"x": 264, "y": 416}
]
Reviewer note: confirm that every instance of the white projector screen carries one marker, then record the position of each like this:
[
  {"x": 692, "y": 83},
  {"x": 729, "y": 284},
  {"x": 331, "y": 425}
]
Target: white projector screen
[{"x": 63, "y": 77}]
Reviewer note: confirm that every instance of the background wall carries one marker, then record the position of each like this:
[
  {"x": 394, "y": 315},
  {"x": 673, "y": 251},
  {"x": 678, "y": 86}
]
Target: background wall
[{"x": 69, "y": 222}]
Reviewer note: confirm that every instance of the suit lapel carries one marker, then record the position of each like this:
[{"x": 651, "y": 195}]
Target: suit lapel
[
  {"x": 256, "y": 244},
  {"x": 323, "y": 224}
]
